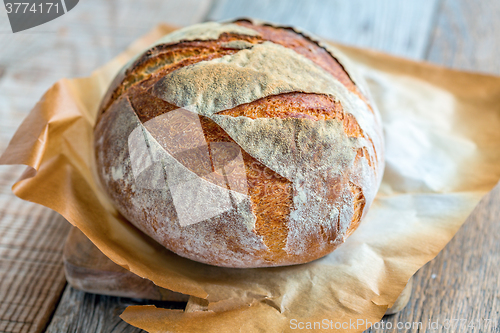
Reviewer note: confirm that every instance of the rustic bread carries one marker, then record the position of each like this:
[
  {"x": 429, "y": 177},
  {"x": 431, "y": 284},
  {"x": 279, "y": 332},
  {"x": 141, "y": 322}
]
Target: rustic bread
[{"x": 241, "y": 144}]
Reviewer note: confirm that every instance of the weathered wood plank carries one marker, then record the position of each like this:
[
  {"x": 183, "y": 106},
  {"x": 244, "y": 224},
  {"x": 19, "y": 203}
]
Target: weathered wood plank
[
  {"x": 31, "y": 270},
  {"x": 399, "y": 27},
  {"x": 84, "y": 312},
  {"x": 88, "y": 269},
  {"x": 466, "y": 36}
]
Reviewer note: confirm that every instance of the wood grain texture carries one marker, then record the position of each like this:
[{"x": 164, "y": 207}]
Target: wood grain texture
[
  {"x": 88, "y": 269},
  {"x": 84, "y": 313},
  {"x": 466, "y": 36},
  {"x": 398, "y": 27},
  {"x": 31, "y": 271}
]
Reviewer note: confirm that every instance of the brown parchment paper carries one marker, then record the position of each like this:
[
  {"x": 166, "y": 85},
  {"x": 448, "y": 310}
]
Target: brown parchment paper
[{"x": 442, "y": 131}]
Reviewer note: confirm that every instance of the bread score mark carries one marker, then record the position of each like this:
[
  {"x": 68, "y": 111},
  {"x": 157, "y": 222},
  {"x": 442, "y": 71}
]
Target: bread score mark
[
  {"x": 312, "y": 155},
  {"x": 334, "y": 52},
  {"x": 204, "y": 31},
  {"x": 152, "y": 161},
  {"x": 210, "y": 31},
  {"x": 266, "y": 69},
  {"x": 164, "y": 59}
]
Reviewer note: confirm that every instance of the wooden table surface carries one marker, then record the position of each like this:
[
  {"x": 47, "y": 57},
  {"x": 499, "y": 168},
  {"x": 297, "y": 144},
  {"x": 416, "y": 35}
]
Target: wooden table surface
[{"x": 461, "y": 283}]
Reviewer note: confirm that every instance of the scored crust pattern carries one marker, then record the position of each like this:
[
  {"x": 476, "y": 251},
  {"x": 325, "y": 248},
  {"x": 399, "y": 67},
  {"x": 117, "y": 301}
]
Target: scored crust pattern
[{"x": 241, "y": 144}]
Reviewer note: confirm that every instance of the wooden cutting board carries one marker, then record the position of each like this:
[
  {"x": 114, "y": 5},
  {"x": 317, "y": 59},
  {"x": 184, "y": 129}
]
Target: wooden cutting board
[{"x": 89, "y": 270}]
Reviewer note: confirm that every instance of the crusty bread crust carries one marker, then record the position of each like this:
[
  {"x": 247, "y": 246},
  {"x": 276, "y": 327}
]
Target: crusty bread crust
[{"x": 278, "y": 217}]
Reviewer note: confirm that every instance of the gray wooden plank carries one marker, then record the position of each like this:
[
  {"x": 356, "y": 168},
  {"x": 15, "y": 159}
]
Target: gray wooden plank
[
  {"x": 84, "y": 312},
  {"x": 31, "y": 269},
  {"x": 394, "y": 26},
  {"x": 467, "y": 36}
]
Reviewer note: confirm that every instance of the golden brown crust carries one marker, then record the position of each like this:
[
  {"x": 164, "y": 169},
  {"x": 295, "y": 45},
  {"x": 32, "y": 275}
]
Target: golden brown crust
[{"x": 270, "y": 193}]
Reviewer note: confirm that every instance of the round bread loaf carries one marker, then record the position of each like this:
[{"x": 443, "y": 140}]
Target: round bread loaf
[{"x": 240, "y": 144}]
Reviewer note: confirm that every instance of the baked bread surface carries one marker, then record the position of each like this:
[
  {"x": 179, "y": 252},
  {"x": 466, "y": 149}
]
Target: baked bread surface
[{"x": 241, "y": 144}]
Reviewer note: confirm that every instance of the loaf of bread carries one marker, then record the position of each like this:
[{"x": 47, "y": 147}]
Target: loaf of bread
[{"x": 241, "y": 144}]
